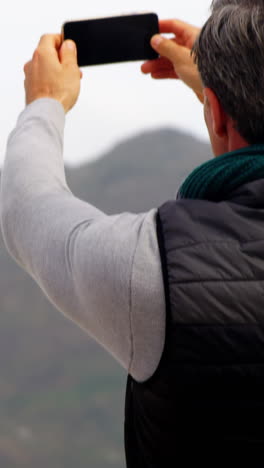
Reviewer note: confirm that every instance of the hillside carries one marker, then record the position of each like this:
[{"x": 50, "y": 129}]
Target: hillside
[
  {"x": 140, "y": 173},
  {"x": 61, "y": 396}
]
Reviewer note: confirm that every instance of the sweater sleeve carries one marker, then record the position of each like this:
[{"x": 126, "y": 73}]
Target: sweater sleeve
[{"x": 103, "y": 272}]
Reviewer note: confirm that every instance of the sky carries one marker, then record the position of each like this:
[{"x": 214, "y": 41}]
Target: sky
[{"x": 116, "y": 101}]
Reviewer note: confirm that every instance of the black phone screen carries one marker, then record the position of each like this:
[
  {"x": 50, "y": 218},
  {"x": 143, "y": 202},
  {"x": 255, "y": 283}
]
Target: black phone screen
[{"x": 115, "y": 39}]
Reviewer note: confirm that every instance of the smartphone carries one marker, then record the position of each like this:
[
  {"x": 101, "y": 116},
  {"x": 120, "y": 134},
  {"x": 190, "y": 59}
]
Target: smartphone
[{"x": 113, "y": 39}]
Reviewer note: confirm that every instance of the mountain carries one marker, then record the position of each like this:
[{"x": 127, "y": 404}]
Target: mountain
[
  {"x": 61, "y": 396},
  {"x": 139, "y": 173}
]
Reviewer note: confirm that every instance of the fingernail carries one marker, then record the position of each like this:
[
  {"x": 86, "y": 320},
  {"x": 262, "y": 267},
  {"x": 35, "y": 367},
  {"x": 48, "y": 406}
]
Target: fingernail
[
  {"x": 70, "y": 45},
  {"x": 156, "y": 40}
]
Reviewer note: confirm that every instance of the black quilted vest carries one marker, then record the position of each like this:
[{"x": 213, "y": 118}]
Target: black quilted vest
[{"x": 204, "y": 406}]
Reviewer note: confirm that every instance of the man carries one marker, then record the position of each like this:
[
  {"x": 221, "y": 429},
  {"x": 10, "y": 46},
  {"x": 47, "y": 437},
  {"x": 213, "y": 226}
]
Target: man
[{"x": 176, "y": 294}]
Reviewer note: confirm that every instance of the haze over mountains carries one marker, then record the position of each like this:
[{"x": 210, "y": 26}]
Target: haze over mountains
[
  {"x": 139, "y": 173},
  {"x": 61, "y": 396}
]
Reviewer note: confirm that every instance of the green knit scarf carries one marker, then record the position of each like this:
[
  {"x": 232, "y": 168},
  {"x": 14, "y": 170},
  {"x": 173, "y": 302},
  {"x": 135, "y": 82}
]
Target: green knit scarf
[{"x": 215, "y": 179}]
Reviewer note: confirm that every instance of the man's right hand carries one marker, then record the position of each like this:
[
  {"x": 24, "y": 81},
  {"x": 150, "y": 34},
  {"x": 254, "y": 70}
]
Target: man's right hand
[
  {"x": 175, "y": 60},
  {"x": 53, "y": 72}
]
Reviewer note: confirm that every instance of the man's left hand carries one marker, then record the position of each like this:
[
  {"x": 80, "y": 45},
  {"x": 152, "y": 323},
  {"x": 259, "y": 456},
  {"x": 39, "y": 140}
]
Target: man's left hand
[{"x": 53, "y": 72}]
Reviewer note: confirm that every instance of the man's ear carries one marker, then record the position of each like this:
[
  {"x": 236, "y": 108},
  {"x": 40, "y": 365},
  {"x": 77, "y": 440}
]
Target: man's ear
[{"x": 217, "y": 113}]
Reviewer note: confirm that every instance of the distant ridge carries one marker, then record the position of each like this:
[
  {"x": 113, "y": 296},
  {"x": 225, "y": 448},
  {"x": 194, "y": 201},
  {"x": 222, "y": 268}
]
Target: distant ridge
[{"x": 139, "y": 173}]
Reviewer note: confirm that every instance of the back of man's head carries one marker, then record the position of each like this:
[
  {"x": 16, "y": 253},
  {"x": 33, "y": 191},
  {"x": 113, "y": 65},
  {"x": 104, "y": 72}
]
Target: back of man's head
[{"x": 230, "y": 57}]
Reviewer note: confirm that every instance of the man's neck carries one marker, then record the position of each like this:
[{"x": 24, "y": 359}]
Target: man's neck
[{"x": 235, "y": 140}]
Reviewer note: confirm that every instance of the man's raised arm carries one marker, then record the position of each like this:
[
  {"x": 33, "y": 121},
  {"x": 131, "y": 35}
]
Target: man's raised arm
[{"x": 91, "y": 266}]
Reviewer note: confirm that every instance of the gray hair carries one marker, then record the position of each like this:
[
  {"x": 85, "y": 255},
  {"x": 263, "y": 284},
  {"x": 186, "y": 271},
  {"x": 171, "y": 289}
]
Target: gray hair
[{"x": 229, "y": 53}]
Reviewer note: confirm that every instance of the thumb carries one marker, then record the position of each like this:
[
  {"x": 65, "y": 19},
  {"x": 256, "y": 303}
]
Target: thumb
[
  {"x": 167, "y": 48},
  {"x": 68, "y": 53}
]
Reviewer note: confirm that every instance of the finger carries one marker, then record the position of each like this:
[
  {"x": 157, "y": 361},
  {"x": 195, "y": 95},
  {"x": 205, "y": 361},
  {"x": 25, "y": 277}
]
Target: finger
[
  {"x": 154, "y": 65},
  {"x": 26, "y": 66},
  {"x": 173, "y": 26},
  {"x": 68, "y": 53},
  {"x": 164, "y": 75},
  {"x": 164, "y": 71},
  {"x": 52, "y": 41},
  {"x": 185, "y": 34},
  {"x": 169, "y": 49},
  {"x": 146, "y": 67}
]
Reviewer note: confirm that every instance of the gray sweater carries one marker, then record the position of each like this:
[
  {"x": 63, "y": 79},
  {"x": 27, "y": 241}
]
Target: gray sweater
[{"x": 103, "y": 272}]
